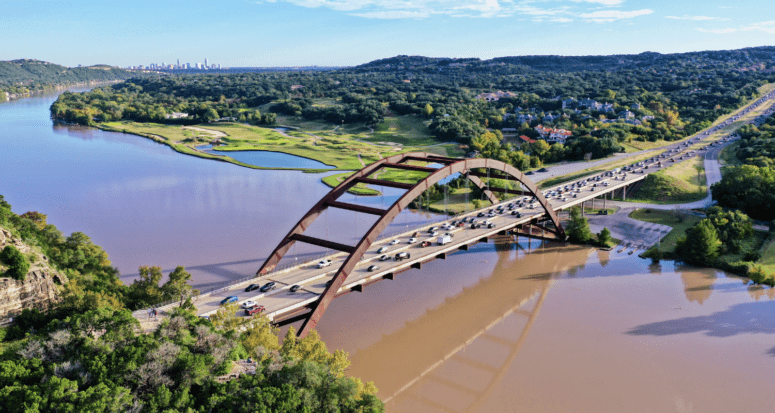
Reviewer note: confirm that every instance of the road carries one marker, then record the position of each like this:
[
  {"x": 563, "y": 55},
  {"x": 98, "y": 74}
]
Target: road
[{"x": 312, "y": 280}]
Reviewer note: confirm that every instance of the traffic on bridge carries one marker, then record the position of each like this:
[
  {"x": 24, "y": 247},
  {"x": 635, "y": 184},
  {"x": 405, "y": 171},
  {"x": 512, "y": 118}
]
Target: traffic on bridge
[{"x": 302, "y": 292}]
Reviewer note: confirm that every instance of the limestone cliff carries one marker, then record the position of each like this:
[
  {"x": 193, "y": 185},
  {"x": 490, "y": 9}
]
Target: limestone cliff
[{"x": 40, "y": 289}]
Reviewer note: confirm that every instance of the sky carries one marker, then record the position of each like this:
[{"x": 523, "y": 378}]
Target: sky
[{"x": 262, "y": 33}]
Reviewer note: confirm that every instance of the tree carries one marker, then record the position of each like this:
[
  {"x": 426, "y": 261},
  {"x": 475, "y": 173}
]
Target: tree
[
  {"x": 427, "y": 110},
  {"x": 18, "y": 265},
  {"x": 210, "y": 115},
  {"x": 578, "y": 227},
  {"x": 145, "y": 290},
  {"x": 177, "y": 287},
  {"x": 604, "y": 238},
  {"x": 704, "y": 246}
]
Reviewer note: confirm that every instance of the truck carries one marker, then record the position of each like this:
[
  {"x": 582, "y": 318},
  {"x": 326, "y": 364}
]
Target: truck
[{"x": 444, "y": 239}]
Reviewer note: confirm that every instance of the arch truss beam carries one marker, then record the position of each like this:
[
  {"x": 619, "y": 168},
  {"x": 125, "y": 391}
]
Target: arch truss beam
[{"x": 474, "y": 169}]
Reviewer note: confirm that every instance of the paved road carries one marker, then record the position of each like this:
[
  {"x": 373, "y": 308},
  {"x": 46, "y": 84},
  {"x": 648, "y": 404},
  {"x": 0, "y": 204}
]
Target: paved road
[
  {"x": 312, "y": 279},
  {"x": 711, "y": 164}
]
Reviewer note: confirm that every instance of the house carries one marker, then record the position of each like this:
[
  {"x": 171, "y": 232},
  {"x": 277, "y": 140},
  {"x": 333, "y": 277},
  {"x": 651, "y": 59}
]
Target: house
[
  {"x": 296, "y": 87},
  {"x": 553, "y": 135},
  {"x": 635, "y": 106},
  {"x": 549, "y": 118},
  {"x": 493, "y": 97},
  {"x": 589, "y": 104},
  {"x": 176, "y": 115},
  {"x": 525, "y": 139},
  {"x": 606, "y": 107},
  {"x": 569, "y": 103},
  {"x": 626, "y": 114},
  {"x": 648, "y": 117}
]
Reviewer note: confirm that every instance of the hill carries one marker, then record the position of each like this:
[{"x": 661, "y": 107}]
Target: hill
[
  {"x": 25, "y": 75},
  {"x": 743, "y": 59}
]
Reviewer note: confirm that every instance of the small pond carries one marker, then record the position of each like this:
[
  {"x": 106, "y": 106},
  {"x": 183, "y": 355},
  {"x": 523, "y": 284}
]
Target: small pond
[{"x": 268, "y": 159}]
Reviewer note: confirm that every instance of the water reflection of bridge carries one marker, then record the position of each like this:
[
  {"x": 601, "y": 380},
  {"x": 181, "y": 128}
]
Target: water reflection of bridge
[{"x": 432, "y": 363}]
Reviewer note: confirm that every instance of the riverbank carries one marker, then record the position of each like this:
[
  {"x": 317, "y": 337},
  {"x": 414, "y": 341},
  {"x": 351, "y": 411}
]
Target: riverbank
[{"x": 7, "y": 96}]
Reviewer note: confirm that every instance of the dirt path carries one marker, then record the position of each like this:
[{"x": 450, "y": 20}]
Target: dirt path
[{"x": 213, "y": 133}]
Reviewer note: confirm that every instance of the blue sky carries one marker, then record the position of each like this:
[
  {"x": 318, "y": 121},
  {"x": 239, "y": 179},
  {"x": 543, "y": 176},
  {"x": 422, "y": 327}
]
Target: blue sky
[{"x": 351, "y": 32}]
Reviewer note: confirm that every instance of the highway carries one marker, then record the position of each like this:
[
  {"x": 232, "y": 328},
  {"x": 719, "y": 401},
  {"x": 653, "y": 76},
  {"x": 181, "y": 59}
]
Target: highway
[{"x": 311, "y": 279}]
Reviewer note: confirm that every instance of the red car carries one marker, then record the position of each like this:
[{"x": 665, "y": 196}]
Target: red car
[
  {"x": 425, "y": 244},
  {"x": 255, "y": 310}
]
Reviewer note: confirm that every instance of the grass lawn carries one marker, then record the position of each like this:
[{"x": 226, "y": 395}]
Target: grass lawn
[
  {"x": 667, "y": 218},
  {"x": 676, "y": 184},
  {"x": 405, "y": 130},
  {"x": 331, "y": 149},
  {"x": 768, "y": 257},
  {"x": 358, "y": 189}
]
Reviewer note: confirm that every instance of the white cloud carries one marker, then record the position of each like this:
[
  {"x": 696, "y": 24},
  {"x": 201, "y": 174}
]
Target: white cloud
[
  {"x": 718, "y": 31},
  {"x": 393, "y": 14},
  {"x": 694, "y": 18},
  {"x": 603, "y": 2},
  {"x": 403, "y": 9},
  {"x": 767, "y": 27},
  {"x": 606, "y": 16}
]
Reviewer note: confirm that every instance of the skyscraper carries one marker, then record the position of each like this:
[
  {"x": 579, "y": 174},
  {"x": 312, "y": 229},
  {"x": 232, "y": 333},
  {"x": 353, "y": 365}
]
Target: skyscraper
[{"x": 206, "y": 65}]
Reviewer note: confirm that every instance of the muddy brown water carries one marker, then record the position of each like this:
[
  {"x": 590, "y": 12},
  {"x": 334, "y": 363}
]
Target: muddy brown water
[{"x": 521, "y": 327}]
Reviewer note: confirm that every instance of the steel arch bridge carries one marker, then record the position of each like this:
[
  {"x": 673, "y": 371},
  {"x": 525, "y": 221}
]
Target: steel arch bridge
[{"x": 474, "y": 169}]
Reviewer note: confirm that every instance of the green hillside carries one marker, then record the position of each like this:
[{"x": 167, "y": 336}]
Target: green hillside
[{"x": 25, "y": 75}]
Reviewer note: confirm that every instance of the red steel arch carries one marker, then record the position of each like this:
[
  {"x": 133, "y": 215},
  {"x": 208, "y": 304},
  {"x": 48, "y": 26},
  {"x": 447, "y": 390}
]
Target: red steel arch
[{"x": 471, "y": 167}]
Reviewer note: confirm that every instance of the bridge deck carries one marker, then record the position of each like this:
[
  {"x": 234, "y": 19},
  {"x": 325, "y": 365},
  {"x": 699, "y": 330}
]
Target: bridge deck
[{"x": 280, "y": 302}]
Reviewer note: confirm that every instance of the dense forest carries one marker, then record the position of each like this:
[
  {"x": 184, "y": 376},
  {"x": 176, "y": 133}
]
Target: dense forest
[
  {"x": 87, "y": 354},
  {"x": 27, "y": 75},
  {"x": 750, "y": 186},
  {"x": 660, "y": 96}
]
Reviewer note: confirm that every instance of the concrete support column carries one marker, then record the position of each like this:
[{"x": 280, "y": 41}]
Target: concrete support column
[
  {"x": 624, "y": 193},
  {"x": 604, "y": 197}
]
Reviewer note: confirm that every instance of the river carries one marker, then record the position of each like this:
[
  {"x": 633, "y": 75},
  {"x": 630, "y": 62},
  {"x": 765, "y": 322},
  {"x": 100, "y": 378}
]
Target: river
[{"x": 528, "y": 327}]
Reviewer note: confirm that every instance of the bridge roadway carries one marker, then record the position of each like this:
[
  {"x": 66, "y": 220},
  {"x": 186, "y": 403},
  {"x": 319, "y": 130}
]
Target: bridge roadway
[
  {"x": 281, "y": 302},
  {"x": 312, "y": 279}
]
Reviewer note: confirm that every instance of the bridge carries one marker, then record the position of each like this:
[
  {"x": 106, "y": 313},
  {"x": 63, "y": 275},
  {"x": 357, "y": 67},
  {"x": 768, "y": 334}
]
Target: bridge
[{"x": 303, "y": 292}]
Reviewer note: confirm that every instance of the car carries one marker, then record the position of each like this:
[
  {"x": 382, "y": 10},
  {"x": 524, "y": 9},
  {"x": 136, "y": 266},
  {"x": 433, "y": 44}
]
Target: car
[
  {"x": 433, "y": 229},
  {"x": 384, "y": 258},
  {"x": 449, "y": 234},
  {"x": 324, "y": 263},
  {"x": 517, "y": 214},
  {"x": 295, "y": 288},
  {"x": 229, "y": 299},
  {"x": 382, "y": 250},
  {"x": 481, "y": 214},
  {"x": 491, "y": 225},
  {"x": 249, "y": 303},
  {"x": 402, "y": 256},
  {"x": 412, "y": 240},
  {"x": 268, "y": 286},
  {"x": 394, "y": 242},
  {"x": 460, "y": 224},
  {"x": 425, "y": 244},
  {"x": 255, "y": 310},
  {"x": 252, "y": 287},
  {"x": 433, "y": 233},
  {"x": 373, "y": 268}
]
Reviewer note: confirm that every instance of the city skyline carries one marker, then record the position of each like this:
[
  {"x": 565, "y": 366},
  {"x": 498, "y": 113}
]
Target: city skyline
[{"x": 266, "y": 33}]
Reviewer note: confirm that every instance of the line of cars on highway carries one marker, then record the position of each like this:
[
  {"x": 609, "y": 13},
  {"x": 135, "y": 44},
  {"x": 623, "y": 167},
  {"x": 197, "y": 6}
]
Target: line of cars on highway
[{"x": 513, "y": 207}]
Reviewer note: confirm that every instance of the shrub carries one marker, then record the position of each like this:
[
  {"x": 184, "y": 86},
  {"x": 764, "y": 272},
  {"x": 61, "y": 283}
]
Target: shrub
[{"x": 16, "y": 261}]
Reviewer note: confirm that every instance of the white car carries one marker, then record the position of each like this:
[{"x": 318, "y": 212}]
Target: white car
[
  {"x": 324, "y": 263},
  {"x": 412, "y": 240},
  {"x": 249, "y": 303},
  {"x": 394, "y": 242}
]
